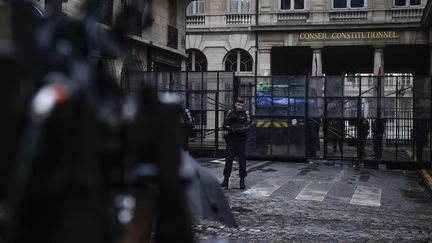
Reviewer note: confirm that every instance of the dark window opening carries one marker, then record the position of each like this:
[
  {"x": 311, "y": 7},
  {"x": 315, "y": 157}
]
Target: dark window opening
[
  {"x": 340, "y": 4},
  {"x": 172, "y": 37},
  {"x": 238, "y": 61}
]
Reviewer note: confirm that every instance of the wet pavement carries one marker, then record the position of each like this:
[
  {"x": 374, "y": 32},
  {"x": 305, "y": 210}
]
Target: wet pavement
[{"x": 305, "y": 202}]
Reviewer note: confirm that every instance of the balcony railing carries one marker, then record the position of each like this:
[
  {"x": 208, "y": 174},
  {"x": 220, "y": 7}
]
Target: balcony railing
[
  {"x": 291, "y": 17},
  {"x": 311, "y": 17},
  {"x": 348, "y": 16},
  {"x": 406, "y": 14},
  {"x": 238, "y": 19},
  {"x": 193, "y": 20}
]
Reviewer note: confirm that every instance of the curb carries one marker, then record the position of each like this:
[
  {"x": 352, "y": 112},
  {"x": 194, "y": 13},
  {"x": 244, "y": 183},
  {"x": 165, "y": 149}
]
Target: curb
[
  {"x": 427, "y": 177},
  {"x": 424, "y": 173}
]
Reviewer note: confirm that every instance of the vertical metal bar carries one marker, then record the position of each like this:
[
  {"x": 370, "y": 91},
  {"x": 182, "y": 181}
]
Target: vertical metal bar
[
  {"x": 289, "y": 115},
  {"x": 325, "y": 125},
  {"x": 364, "y": 140},
  {"x": 271, "y": 117},
  {"x": 397, "y": 118},
  {"x": 359, "y": 119},
  {"x": 342, "y": 133},
  {"x": 413, "y": 138},
  {"x": 236, "y": 86},
  {"x": 429, "y": 118},
  {"x": 170, "y": 84},
  {"x": 187, "y": 93},
  {"x": 217, "y": 113},
  {"x": 201, "y": 115},
  {"x": 307, "y": 133}
]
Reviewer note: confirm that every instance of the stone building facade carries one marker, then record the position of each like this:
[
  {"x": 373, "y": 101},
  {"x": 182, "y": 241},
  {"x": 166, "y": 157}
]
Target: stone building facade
[
  {"x": 158, "y": 47},
  {"x": 286, "y": 37}
]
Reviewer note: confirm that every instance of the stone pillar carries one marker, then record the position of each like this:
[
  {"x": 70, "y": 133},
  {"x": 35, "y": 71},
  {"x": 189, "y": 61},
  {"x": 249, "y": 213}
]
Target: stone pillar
[
  {"x": 317, "y": 62},
  {"x": 378, "y": 60},
  {"x": 264, "y": 60}
]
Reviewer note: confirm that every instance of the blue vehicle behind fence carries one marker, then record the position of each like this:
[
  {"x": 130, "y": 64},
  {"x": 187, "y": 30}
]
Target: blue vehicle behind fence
[{"x": 280, "y": 116}]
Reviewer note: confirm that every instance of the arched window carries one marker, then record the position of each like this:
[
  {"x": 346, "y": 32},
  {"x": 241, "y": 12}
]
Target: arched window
[
  {"x": 238, "y": 6},
  {"x": 195, "y": 7},
  {"x": 238, "y": 60},
  {"x": 196, "y": 61}
]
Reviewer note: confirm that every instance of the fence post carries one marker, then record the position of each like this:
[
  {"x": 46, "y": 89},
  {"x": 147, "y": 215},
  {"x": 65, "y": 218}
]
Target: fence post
[
  {"x": 236, "y": 86},
  {"x": 217, "y": 113}
]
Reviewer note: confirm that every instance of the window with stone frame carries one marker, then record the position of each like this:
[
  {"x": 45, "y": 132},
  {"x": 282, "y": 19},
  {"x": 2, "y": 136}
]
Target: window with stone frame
[
  {"x": 238, "y": 60},
  {"x": 195, "y": 7},
  {"x": 292, "y": 4},
  {"x": 238, "y": 6},
  {"x": 347, "y": 4},
  {"x": 196, "y": 61},
  {"x": 407, "y": 3}
]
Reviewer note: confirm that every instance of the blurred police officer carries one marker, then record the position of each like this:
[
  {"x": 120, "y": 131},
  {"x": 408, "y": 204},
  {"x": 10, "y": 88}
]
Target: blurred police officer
[
  {"x": 378, "y": 126},
  {"x": 362, "y": 133},
  {"x": 421, "y": 133},
  {"x": 188, "y": 125},
  {"x": 237, "y": 123}
]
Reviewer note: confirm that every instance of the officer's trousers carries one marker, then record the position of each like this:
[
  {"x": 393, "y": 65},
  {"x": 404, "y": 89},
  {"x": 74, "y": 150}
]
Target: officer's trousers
[{"x": 235, "y": 148}]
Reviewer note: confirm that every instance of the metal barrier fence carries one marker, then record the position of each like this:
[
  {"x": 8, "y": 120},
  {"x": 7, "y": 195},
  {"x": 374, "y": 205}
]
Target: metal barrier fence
[
  {"x": 372, "y": 119},
  {"x": 384, "y": 119}
]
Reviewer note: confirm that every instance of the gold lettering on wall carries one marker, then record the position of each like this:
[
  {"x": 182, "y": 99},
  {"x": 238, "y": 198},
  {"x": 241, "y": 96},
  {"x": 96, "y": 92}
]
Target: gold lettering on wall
[{"x": 311, "y": 36}]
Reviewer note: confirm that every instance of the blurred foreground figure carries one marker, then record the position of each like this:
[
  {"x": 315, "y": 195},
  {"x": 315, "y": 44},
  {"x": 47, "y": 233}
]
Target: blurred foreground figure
[{"x": 80, "y": 161}]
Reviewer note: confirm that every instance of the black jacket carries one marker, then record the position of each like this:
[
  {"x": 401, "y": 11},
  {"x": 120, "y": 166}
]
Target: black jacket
[{"x": 237, "y": 124}]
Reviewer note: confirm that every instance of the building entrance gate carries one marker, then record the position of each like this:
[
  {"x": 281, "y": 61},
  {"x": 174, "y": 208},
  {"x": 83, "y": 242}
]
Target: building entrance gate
[{"x": 296, "y": 118}]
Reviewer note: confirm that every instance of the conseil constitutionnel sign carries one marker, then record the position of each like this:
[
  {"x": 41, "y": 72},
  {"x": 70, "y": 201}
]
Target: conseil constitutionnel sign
[{"x": 348, "y": 35}]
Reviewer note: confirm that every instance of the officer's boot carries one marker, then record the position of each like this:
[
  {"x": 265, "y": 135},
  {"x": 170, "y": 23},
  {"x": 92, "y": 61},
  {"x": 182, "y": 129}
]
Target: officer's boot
[
  {"x": 242, "y": 183},
  {"x": 225, "y": 182}
]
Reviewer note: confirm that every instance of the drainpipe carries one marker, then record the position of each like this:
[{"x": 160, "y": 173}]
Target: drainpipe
[{"x": 256, "y": 41}]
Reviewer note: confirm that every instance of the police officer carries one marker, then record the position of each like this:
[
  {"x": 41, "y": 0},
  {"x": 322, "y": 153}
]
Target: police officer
[
  {"x": 237, "y": 123},
  {"x": 336, "y": 134},
  {"x": 313, "y": 127},
  {"x": 188, "y": 125},
  {"x": 362, "y": 133},
  {"x": 421, "y": 132},
  {"x": 378, "y": 126}
]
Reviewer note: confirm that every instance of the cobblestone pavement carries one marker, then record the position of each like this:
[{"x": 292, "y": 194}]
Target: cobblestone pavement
[{"x": 298, "y": 202}]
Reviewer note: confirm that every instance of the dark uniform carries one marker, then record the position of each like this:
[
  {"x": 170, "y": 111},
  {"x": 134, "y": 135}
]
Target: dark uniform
[
  {"x": 237, "y": 124},
  {"x": 313, "y": 136},
  {"x": 336, "y": 133},
  {"x": 421, "y": 132},
  {"x": 378, "y": 126},
  {"x": 188, "y": 125},
  {"x": 362, "y": 133}
]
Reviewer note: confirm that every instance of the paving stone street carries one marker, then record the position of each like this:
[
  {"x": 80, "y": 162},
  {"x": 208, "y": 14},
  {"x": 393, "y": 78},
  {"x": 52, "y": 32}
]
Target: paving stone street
[{"x": 304, "y": 202}]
